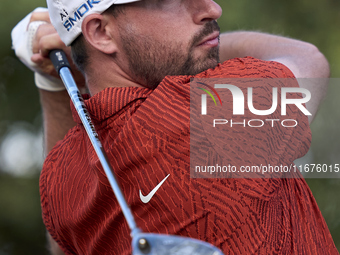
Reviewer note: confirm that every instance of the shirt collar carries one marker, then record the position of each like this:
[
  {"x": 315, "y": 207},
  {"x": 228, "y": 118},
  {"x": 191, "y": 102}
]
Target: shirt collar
[{"x": 110, "y": 101}]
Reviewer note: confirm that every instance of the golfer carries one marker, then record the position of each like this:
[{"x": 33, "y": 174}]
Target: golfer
[{"x": 136, "y": 59}]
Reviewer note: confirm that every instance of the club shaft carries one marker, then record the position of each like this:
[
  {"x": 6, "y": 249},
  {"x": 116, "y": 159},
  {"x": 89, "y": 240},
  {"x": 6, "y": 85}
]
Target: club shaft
[{"x": 78, "y": 102}]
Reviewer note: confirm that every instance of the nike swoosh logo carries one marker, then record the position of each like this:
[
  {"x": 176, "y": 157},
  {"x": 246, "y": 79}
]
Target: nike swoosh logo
[{"x": 146, "y": 199}]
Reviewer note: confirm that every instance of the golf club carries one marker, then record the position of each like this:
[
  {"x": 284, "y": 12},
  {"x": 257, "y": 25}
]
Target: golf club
[{"x": 142, "y": 243}]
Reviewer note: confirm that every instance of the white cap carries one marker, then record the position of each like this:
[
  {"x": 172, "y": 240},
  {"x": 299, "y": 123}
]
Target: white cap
[{"x": 68, "y": 15}]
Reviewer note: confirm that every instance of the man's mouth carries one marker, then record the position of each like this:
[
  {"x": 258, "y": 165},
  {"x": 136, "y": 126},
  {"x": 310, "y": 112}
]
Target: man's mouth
[{"x": 211, "y": 41}]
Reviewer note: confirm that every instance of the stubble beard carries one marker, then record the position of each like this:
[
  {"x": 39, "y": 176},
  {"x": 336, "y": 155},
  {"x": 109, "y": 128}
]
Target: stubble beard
[{"x": 150, "y": 60}]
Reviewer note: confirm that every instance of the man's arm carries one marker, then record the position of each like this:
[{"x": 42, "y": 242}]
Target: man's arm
[
  {"x": 53, "y": 246},
  {"x": 32, "y": 40},
  {"x": 303, "y": 59},
  {"x": 57, "y": 116},
  {"x": 55, "y": 103}
]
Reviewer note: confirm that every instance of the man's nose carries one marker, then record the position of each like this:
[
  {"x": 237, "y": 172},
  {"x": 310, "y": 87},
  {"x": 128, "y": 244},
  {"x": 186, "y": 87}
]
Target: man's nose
[{"x": 205, "y": 10}]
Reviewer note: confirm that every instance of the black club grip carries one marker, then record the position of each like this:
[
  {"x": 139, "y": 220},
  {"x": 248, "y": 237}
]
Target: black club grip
[{"x": 59, "y": 59}]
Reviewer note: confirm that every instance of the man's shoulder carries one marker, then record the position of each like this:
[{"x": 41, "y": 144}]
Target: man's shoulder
[
  {"x": 72, "y": 141},
  {"x": 248, "y": 67}
]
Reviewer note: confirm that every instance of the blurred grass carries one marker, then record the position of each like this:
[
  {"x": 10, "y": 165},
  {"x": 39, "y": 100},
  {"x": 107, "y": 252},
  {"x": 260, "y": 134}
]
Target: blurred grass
[{"x": 22, "y": 230}]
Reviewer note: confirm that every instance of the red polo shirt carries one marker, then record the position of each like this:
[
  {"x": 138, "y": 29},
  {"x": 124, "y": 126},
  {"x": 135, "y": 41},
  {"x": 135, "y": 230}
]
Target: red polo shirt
[{"x": 146, "y": 134}]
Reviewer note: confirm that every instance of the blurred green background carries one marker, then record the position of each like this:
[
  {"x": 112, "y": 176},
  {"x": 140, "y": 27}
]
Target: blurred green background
[{"x": 21, "y": 154}]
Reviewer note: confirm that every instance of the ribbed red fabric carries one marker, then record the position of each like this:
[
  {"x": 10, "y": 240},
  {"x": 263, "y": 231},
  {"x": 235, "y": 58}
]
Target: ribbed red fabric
[{"x": 147, "y": 136}]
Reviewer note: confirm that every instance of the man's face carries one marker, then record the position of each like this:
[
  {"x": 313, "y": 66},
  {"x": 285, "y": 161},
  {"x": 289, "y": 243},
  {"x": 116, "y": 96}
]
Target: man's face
[{"x": 168, "y": 37}]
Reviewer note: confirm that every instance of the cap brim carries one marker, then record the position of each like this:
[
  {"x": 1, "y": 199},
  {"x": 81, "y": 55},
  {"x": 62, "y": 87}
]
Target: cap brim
[{"x": 125, "y": 1}]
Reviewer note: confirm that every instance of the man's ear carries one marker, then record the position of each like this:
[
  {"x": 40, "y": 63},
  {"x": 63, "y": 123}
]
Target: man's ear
[{"x": 96, "y": 30}]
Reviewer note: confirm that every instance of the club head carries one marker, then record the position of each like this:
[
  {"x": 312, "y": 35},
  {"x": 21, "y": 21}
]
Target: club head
[{"x": 157, "y": 244}]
